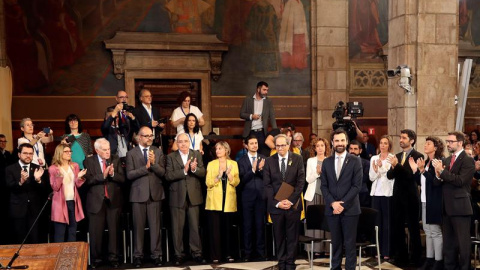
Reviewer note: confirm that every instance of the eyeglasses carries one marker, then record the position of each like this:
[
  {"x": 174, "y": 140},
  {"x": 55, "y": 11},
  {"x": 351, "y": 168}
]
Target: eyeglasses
[
  {"x": 73, "y": 120},
  {"x": 122, "y": 97},
  {"x": 67, "y": 151},
  {"x": 147, "y": 136},
  {"x": 147, "y": 96},
  {"x": 3, "y": 141},
  {"x": 281, "y": 145},
  {"x": 29, "y": 125},
  {"x": 450, "y": 142}
]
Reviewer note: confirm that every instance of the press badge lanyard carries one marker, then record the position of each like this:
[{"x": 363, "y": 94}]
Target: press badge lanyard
[
  {"x": 35, "y": 147},
  {"x": 181, "y": 108},
  {"x": 192, "y": 141}
]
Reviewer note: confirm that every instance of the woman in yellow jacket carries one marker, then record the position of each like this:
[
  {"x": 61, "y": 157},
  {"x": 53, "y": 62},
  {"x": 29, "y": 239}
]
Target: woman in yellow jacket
[{"x": 222, "y": 178}]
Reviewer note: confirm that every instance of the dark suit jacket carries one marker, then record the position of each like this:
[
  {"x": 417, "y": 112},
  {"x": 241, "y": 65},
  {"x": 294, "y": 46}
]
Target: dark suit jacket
[
  {"x": 96, "y": 183},
  {"x": 405, "y": 184},
  {"x": 433, "y": 194},
  {"x": 182, "y": 185},
  {"x": 272, "y": 179},
  {"x": 126, "y": 129},
  {"x": 366, "y": 183},
  {"x": 143, "y": 118},
  {"x": 456, "y": 185},
  {"x": 29, "y": 191},
  {"x": 146, "y": 183},
  {"x": 346, "y": 188},
  {"x": 368, "y": 151},
  {"x": 251, "y": 182},
  {"x": 268, "y": 114}
]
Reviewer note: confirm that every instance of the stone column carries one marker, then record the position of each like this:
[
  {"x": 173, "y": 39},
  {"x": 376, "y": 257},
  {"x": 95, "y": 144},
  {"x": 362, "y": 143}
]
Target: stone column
[
  {"x": 330, "y": 53},
  {"x": 423, "y": 34}
]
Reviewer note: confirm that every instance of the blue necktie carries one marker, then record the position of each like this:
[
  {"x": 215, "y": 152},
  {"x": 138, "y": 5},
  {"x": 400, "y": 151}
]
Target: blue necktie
[
  {"x": 145, "y": 154},
  {"x": 283, "y": 169}
]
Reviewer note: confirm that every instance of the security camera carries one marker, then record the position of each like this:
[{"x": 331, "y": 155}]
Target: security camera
[{"x": 395, "y": 72}]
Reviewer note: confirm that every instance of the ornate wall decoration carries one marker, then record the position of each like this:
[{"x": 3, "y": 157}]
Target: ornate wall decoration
[{"x": 368, "y": 79}]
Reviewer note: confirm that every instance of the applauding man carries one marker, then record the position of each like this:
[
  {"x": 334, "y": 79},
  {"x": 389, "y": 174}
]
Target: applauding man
[{"x": 184, "y": 172}]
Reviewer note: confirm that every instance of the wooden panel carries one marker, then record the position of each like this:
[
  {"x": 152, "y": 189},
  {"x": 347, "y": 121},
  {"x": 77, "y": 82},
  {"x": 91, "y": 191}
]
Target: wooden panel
[{"x": 48, "y": 256}]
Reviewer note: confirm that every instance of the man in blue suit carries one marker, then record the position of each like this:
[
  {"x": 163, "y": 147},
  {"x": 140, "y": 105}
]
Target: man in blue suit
[
  {"x": 250, "y": 167},
  {"x": 341, "y": 181}
]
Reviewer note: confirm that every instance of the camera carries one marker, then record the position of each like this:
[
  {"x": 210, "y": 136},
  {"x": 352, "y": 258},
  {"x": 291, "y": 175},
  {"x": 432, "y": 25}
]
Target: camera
[
  {"x": 344, "y": 113},
  {"x": 70, "y": 139},
  {"x": 46, "y": 130},
  {"x": 162, "y": 120},
  {"x": 405, "y": 77},
  {"x": 127, "y": 107}
]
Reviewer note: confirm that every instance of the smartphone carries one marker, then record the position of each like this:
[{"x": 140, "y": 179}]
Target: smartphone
[{"x": 46, "y": 130}]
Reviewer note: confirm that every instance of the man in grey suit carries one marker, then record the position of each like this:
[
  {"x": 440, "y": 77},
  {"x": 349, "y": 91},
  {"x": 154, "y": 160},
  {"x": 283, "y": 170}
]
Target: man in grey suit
[
  {"x": 184, "y": 172},
  {"x": 257, "y": 111},
  {"x": 341, "y": 181},
  {"x": 145, "y": 167}
]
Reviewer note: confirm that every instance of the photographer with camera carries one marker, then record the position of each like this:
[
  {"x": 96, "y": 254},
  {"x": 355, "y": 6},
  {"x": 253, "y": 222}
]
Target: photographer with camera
[
  {"x": 345, "y": 115},
  {"x": 36, "y": 140},
  {"x": 149, "y": 116},
  {"x": 122, "y": 112},
  {"x": 118, "y": 129}
]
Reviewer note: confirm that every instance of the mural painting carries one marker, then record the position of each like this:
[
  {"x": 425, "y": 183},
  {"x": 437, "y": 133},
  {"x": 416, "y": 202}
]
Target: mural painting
[{"x": 55, "y": 47}]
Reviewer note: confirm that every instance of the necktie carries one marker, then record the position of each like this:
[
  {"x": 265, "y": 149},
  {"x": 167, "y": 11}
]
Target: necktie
[
  {"x": 452, "y": 161},
  {"x": 24, "y": 168},
  {"x": 282, "y": 168},
  {"x": 404, "y": 157},
  {"x": 253, "y": 160},
  {"x": 123, "y": 118},
  {"x": 339, "y": 166},
  {"x": 105, "y": 183},
  {"x": 145, "y": 154}
]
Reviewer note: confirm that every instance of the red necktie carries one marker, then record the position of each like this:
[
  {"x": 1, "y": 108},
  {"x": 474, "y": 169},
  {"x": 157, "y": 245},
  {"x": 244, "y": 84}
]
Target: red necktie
[
  {"x": 105, "y": 183},
  {"x": 452, "y": 161}
]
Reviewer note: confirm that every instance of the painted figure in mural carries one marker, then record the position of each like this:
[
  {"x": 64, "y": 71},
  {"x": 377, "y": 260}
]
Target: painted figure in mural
[
  {"x": 293, "y": 42},
  {"x": 263, "y": 25},
  {"x": 469, "y": 21},
  {"x": 26, "y": 54},
  {"x": 230, "y": 18},
  {"x": 185, "y": 15},
  {"x": 61, "y": 31},
  {"x": 363, "y": 34}
]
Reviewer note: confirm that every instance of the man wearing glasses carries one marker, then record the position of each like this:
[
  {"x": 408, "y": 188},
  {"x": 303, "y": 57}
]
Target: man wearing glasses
[
  {"x": 455, "y": 175},
  {"x": 283, "y": 171},
  {"x": 119, "y": 125},
  {"x": 145, "y": 168}
]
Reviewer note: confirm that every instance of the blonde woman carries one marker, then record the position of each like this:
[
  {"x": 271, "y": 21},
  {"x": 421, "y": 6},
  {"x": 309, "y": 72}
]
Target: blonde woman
[
  {"x": 222, "y": 179},
  {"x": 313, "y": 195},
  {"x": 65, "y": 178}
]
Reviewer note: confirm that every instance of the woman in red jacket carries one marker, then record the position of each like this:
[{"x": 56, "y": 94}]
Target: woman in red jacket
[{"x": 65, "y": 178}]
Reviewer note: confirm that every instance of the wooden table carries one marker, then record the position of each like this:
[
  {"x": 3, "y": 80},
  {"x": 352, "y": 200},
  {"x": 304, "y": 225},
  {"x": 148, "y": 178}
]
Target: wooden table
[{"x": 59, "y": 256}]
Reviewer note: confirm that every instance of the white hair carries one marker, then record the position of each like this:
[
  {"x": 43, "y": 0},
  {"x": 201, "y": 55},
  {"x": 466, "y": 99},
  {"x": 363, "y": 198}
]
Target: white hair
[
  {"x": 99, "y": 142},
  {"x": 298, "y": 134}
]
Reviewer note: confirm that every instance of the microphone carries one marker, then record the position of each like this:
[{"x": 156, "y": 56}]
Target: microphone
[{"x": 15, "y": 256}]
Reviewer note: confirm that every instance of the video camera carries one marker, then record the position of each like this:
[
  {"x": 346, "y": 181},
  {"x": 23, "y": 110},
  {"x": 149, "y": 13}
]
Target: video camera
[
  {"x": 344, "y": 114},
  {"x": 127, "y": 107}
]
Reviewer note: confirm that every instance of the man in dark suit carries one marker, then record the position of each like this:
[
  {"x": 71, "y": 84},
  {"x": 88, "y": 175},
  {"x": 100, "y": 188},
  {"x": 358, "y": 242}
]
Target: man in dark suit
[
  {"x": 355, "y": 148},
  {"x": 184, "y": 171},
  {"x": 298, "y": 143},
  {"x": 455, "y": 175},
  {"x": 250, "y": 167},
  {"x": 28, "y": 188},
  {"x": 257, "y": 111},
  {"x": 145, "y": 167},
  {"x": 104, "y": 201},
  {"x": 284, "y": 167},
  {"x": 405, "y": 202},
  {"x": 149, "y": 116},
  {"x": 119, "y": 125},
  {"x": 341, "y": 181},
  {"x": 368, "y": 149}
]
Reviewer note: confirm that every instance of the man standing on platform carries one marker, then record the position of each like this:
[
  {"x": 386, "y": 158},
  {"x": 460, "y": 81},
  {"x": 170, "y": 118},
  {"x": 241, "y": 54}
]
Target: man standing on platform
[
  {"x": 405, "y": 202},
  {"x": 284, "y": 177},
  {"x": 455, "y": 175},
  {"x": 28, "y": 188},
  {"x": 104, "y": 201},
  {"x": 145, "y": 167},
  {"x": 149, "y": 116},
  {"x": 250, "y": 168},
  {"x": 341, "y": 181},
  {"x": 257, "y": 111},
  {"x": 184, "y": 172}
]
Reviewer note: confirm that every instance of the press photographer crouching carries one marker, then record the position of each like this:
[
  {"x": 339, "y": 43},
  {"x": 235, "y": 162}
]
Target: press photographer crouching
[{"x": 345, "y": 116}]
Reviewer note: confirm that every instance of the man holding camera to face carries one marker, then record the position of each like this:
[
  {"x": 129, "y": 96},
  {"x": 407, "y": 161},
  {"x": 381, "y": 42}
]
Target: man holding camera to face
[{"x": 119, "y": 125}]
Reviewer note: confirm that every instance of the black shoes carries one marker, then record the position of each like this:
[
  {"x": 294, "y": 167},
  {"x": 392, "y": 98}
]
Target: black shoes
[
  {"x": 158, "y": 261},
  {"x": 115, "y": 264},
  {"x": 137, "y": 262},
  {"x": 230, "y": 259},
  {"x": 178, "y": 260},
  {"x": 199, "y": 260}
]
